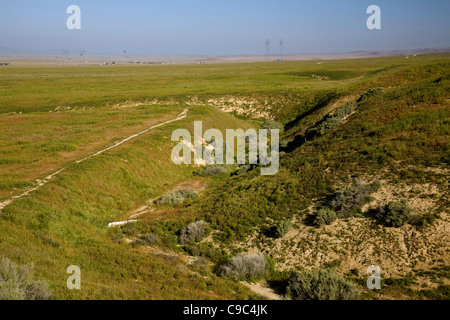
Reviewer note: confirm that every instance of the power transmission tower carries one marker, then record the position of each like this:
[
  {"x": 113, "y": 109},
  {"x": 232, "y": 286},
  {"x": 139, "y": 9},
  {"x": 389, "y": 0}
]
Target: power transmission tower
[
  {"x": 83, "y": 55},
  {"x": 281, "y": 49},
  {"x": 65, "y": 53},
  {"x": 267, "y": 57}
]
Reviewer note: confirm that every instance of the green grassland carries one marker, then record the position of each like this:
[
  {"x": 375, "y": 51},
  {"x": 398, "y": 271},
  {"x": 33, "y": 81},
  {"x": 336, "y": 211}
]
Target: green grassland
[{"x": 395, "y": 136}]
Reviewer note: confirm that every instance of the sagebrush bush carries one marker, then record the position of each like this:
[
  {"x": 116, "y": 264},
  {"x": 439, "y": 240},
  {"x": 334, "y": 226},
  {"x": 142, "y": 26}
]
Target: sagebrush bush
[
  {"x": 211, "y": 170},
  {"x": 194, "y": 232},
  {"x": 324, "y": 216},
  {"x": 351, "y": 197},
  {"x": 177, "y": 197},
  {"x": 245, "y": 266},
  {"x": 320, "y": 285},
  {"x": 394, "y": 214},
  {"x": 283, "y": 227},
  {"x": 16, "y": 283}
]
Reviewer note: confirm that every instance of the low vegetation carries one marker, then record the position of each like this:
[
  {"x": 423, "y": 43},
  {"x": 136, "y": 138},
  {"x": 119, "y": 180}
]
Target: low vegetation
[
  {"x": 394, "y": 214},
  {"x": 324, "y": 216},
  {"x": 177, "y": 197},
  {"x": 194, "y": 232},
  {"x": 211, "y": 170},
  {"x": 399, "y": 135},
  {"x": 283, "y": 228},
  {"x": 17, "y": 283},
  {"x": 320, "y": 285},
  {"x": 245, "y": 267},
  {"x": 351, "y": 196},
  {"x": 330, "y": 121}
]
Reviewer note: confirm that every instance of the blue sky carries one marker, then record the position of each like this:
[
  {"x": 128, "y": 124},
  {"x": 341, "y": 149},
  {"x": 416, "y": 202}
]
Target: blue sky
[{"x": 223, "y": 27}]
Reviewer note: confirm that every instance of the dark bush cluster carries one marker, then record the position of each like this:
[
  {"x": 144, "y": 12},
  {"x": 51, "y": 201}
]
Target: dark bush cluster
[
  {"x": 320, "y": 285},
  {"x": 423, "y": 220},
  {"x": 16, "y": 283},
  {"x": 194, "y": 232},
  {"x": 330, "y": 121},
  {"x": 324, "y": 216},
  {"x": 245, "y": 266},
  {"x": 177, "y": 197},
  {"x": 349, "y": 199},
  {"x": 394, "y": 214},
  {"x": 370, "y": 93}
]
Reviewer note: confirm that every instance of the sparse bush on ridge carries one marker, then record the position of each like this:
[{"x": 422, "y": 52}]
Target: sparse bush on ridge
[
  {"x": 394, "y": 214},
  {"x": 330, "y": 121},
  {"x": 16, "y": 283},
  {"x": 177, "y": 197},
  {"x": 324, "y": 216},
  {"x": 194, "y": 232},
  {"x": 244, "y": 266},
  {"x": 370, "y": 93},
  {"x": 320, "y": 285}
]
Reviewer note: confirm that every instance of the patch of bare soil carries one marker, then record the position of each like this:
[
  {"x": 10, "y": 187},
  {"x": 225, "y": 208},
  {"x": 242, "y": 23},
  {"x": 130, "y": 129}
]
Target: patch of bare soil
[
  {"x": 263, "y": 289},
  {"x": 357, "y": 243}
]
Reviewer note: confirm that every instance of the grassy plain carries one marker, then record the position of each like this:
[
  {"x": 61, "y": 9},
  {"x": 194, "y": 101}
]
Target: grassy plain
[{"x": 52, "y": 116}]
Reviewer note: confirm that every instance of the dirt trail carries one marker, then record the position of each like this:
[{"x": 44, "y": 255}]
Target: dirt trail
[
  {"x": 41, "y": 182},
  {"x": 263, "y": 289}
]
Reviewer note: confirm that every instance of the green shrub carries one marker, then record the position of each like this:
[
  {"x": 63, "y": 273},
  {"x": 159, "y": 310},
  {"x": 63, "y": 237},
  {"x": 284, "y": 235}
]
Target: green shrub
[
  {"x": 207, "y": 250},
  {"x": 320, "y": 285},
  {"x": 16, "y": 283},
  {"x": 283, "y": 227},
  {"x": 151, "y": 239},
  {"x": 177, "y": 197},
  {"x": 194, "y": 232},
  {"x": 370, "y": 93},
  {"x": 138, "y": 243},
  {"x": 242, "y": 266},
  {"x": 243, "y": 169},
  {"x": 324, "y": 216},
  {"x": 330, "y": 121},
  {"x": 423, "y": 220},
  {"x": 394, "y": 214},
  {"x": 130, "y": 229},
  {"x": 200, "y": 265}
]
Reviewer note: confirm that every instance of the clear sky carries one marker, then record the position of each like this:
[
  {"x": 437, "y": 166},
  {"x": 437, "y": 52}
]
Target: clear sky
[{"x": 223, "y": 27}]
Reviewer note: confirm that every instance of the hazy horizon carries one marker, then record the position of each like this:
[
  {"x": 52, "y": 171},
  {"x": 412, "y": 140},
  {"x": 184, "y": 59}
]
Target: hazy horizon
[{"x": 219, "y": 28}]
